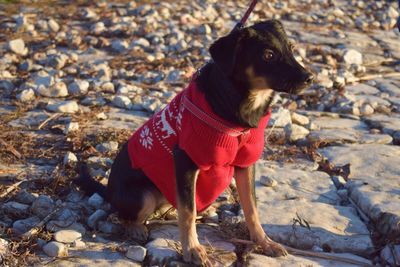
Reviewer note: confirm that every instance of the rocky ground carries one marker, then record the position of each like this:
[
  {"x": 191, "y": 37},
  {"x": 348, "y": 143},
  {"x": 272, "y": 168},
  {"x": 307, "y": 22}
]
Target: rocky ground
[{"x": 76, "y": 79}]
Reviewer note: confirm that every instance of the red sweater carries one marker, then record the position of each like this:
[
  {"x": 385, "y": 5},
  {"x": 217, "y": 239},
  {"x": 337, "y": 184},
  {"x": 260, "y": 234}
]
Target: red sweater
[{"x": 214, "y": 145}]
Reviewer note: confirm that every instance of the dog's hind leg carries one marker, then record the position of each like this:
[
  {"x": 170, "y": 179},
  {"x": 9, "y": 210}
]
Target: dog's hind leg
[{"x": 132, "y": 194}]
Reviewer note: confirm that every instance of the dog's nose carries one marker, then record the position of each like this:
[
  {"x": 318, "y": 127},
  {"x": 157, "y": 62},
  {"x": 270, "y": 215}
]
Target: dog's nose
[{"x": 308, "y": 78}]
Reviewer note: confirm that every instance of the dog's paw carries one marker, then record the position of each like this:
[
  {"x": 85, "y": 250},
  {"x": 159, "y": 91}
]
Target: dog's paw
[
  {"x": 137, "y": 232},
  {"x": 196, "y": 254},
  {"x": 271, "y": 248}
]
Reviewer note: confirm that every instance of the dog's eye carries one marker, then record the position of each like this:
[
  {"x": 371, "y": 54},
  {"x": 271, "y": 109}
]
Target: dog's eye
[
  {"x": 268, "y": 54},
  {"x": 292, "y": 46}
]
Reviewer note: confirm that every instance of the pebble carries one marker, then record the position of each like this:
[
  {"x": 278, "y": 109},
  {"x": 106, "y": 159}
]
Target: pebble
[
  {"x": 68, "y": 106},
  {"x": 24, "y": 225},
  {"x": 16, "y": 209},
  {"x": 295, "y": 132},
  {"x": 122, "y": 101},
  {"x": 396, "y": 138},
  {"x": 59, "y": 89},
  {"x": 69, "y": 158},
  {"x": 268, "y": 181},
  {"x": 136, "y": 253},
  {"x": 366, "y": 110},
  {"x": 42, "y": 206},
  {"x": 26, "y": 95},
  {"x": 25, "y": 197},
  {"x": 78, "y": 244},
  {"x": 109, "y": 227},
  {"x": 55, "y": 249},
  {"x": 53, "y": 25},
  {"x": 95, "y": 200},
  {"x": 78, "y": 87},
  {"x": 119, "y": 46},
  {"x": 351, "y": 56},
  {"x": 17, "y": 46},
  {"x": 67, "y": 236},
  {"x": 299, "y": 119},
  {"x": 280, "y": 118},
  {"x": 96, "y": 217},
  {"x": 108, "y": 147},
  {"x": 71, "y": 127}
]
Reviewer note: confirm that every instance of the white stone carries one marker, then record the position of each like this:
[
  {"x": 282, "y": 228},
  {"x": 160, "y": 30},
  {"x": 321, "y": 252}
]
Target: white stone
[
  {"x": 78, "y": 87},
  {"x": 78, "y": 244},
  {"x": 26, "y": 95},
  {"x": 122, "y": 101},
  {"x": 71, "y": 127},
  {"x": 68, "y": 106},
  {"x": 280, "y": 119},
  {"x": 136, "y": 253},
  {"x": 53, "y": 25},
  {"x": 351, "y": 56},
  {"x": 95, "y": 200},
  {"x": 268, "y": 181},
  {"x": 300, "y": 119},
  {"x": 119, "y": 46},
  {"x": 366, "y": 110},
  {"x": 70, "y": 158},
  {"x": 58, "y": 89},
  {"x": 67, "y": 236},
  {"x": 55, "y": 249},
  {"x": 107, "y": 147},
  {"x": 295, "y": 132},
  {"x": 18, "y": 47}
]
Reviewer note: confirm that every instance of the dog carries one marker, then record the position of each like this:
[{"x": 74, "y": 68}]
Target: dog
[{"x": 187, "y": 153}]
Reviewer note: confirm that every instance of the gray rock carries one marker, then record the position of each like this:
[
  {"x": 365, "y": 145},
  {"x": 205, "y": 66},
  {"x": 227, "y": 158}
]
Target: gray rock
[
  {"x": 295, "y": 132},
  {"x": 281, "y": 118},
  {"x": 122, "y": 101},
  {"x": 300, "y": 119},
  {"x": 58, "y": 89},
  {"x": 111, "y": 146},
  {"x": 268, "y": 181},
  {"x": 67, "y": 236},
  {"x": 351, "y": 56},
  {"x": 95, "y": 200},
  {"x": 17, "y": 46},
  {"x": 57, "y": 61},
  {"x": 159, "y": 251},
  {"x": 68, "y": 106},
  {"x": 71, "y": 127},
  {"x": 42, "y": 79},
  {"x": 42, "y": 206},
  {"x": 3, "y": 248},
  {"x": 136, "y": 253},
  {"x": 26, "y": 95},
  {"x": 95, "y": 218},
  {"x": 16, "y": 209},
  {"x": 25, "y": 197},
  {"x": 70, "y": 158},
  {"x": 55, "y": 249},
  {"x": 99, "y": 162},
  {"x": 54, "y": 226},
  {"x": 339, "y": 123},
  {"x": 119, "y": 46},
  {"x": 22, "y": 226},
  {"x": 366, "y": 110},
  {"x": 109, "y": 227},
  {"x": 78, "y": 87},
  {"x": 258, "y": 260},
  {"x": 390, "y": 254},
  {"x": 361, "y": 89}
]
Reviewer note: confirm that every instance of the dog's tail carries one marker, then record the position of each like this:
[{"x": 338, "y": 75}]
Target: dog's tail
[{"x": 88, "y": 184}]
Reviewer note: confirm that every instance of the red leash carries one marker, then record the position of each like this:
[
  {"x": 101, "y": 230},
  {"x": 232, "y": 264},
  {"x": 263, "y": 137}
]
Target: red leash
[{"x": 241, "y": 23}]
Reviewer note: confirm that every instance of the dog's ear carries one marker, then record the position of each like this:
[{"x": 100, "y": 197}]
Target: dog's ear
[{"x": 224, "y": 51}]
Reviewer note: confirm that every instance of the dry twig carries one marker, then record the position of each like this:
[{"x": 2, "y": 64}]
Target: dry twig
[
  {"x": 10, "y": 148},
  {"x": 52, "y": 117},
  {"x": 10, "y": 189}
]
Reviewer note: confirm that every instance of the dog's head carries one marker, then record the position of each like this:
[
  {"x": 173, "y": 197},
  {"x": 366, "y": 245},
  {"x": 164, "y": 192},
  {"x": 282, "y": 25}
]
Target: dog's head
[{"x": 262, "y": 57}]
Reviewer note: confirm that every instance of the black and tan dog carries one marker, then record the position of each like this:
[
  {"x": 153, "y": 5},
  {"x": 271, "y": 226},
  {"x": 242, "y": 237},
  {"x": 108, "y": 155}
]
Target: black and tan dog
[{"x": 249, "y": 65}]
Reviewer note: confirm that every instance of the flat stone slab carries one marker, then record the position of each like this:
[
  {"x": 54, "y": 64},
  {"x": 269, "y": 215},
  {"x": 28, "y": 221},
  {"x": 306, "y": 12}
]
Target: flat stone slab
[
  {"x": 295, "y": 184},
  {"x": 94, "y": 254},
  {"x": 388, "y": 124},
  {"x": 121, "y": 119},
  {"x": 335, "y": 227},
  {"x": 361, "y": 89},
  {"x": 257, "y": 260},
  {"x": 339, "y": 123},
  {"x": 372, "y": 100},
  {"x": 344, "y": 136},
  {"x": 374, "y": 180}
]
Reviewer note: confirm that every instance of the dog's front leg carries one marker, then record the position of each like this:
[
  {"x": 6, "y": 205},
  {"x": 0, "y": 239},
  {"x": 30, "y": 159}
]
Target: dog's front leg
[
  {"x": 246, "y": 188},
  {"x": 186, "y": 173}
]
